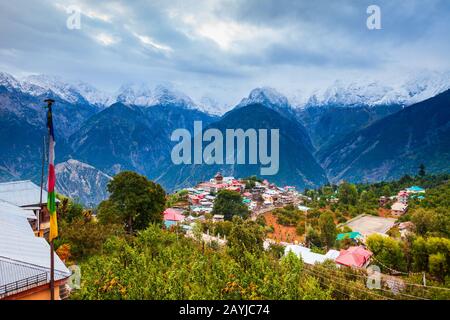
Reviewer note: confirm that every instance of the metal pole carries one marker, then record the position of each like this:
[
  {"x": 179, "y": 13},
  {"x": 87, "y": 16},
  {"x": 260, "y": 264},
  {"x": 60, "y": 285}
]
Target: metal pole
[
  {"x": 52, "y": 254},
  {"x": 52, "y": 272},
  {"x": 42, "y": 186}
]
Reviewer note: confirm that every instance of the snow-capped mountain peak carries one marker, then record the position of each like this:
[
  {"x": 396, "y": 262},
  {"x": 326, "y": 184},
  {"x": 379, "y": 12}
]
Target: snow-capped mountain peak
[
  {"x": 372, "y": 93},
  {"x": 143, "y": 95},
  {"x": 138, "y": 94},
  {"x": 166, "y": 95},
  {"x": 212, "y": 106},
  {"x": 266, "y": 96},
  {"x": 78, "y": 92},
  {"x": 61, "y": 88},
  {"x": 8, "y": 81},
  {"x": 93, "y": 95},
  {"x": 269, "y": 98}
]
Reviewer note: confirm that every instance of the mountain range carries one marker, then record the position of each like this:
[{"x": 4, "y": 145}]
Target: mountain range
[{"x": 353, "y": 132}]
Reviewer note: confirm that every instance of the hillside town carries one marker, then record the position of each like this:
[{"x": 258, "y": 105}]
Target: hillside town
[
  {"x": 192, "y": 212},
  {"x": 265, "y": 197}
]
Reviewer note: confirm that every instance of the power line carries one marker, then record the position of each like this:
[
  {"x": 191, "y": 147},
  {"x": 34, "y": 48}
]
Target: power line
[
  {"x": 395, "y": 271},
  {"x": 403, "y": 281},
  {"x": 366, "y": 291},
  {"x": 411, "y": 273},
  {"x": 333, "y": 288},
  {"x": 366, "y": 277},
  {"x": 348, "y": 285}
]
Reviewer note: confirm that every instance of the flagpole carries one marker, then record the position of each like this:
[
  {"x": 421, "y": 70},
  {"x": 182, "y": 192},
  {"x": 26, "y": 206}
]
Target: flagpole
[
  {"x": 42, "y": 186},
  {"x": 52, "y": 254}
]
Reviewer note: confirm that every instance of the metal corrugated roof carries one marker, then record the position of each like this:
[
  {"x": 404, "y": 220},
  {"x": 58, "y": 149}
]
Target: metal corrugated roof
[
  {"x": 20, "y": 247},
  {"x": 332, "y": 254},
  {"x": 13, "y": 271},
  {"x": 22, "y": 193},
  {"x": 6, "y": 207},
  {"x": 307, "y": 256}
]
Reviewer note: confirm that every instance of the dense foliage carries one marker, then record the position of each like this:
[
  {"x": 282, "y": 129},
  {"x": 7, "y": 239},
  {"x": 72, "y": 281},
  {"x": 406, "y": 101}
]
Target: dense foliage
[
  {"x": 134, "y": 201},
  {"x": 156, "y": 264},
  {"x": 289, "y": 215},
  {"x": 153, "y": 263},
  {"x": 229, "y": 203}
]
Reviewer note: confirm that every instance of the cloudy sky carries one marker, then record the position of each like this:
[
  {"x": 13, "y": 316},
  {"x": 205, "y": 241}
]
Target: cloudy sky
[{"x": 224, "y": 48}]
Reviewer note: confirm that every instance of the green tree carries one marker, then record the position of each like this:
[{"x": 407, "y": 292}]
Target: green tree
[
  {"x": 313, "y": 237},
  {"x": 245, "y": 236},
  {"x": 249, "y": 184},
  {"x": 69, "y": 210},
  {"x": 386, "y": 191},
  {"x": 180, "y": 196},
  {"x": 108, "y": 212},
  {"x": 229, "y": 203},
  {"x": 432, "y": 254},
  {"x": 327, "y": 229},
  {"x": 288, "y": 216},
  {"x": 438, "y": 265},
  {"x": 86, "y": 238},
  {"x": 348, "y": 194},
  {"x": 424, "y": 220},
  {"x": 419, "y": 254},
  {"x": 368, "y": 199},
  {"x": 387, "y": 250},
  {"x": 134, "y": 200}
]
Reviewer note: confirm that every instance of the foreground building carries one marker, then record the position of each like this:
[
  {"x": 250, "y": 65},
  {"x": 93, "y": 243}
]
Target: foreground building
[
  {"x": 27, "y": 195},
  {"x": 25, "y": 258}
]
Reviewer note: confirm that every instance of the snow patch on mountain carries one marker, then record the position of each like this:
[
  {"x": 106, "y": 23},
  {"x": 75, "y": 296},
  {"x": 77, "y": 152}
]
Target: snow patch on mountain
[
  {"x": 38, "y": 85},
  {"x": 413, "y": 89},
  {"x": 143, "y": 95},
  {"x": 363, "y": 92},
  {"x": 270, "y": 98},
  {"x": 265, "y": 96},
  {"x": 93, "y": 95},
  {"x": 55, "y": 84},
  {"x": 9, "y": 82},
  {"x": 212, "y": 106}
]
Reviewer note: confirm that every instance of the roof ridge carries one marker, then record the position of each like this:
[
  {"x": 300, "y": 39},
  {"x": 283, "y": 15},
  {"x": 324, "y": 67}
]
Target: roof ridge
[{"x": 15, "y": 182}]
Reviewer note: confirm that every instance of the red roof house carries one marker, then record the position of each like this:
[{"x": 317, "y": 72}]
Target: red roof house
[
  {"x": 354, "y": 257},
  {"x": 194, "y": 199},
  {"x": 172, "y": 215}
]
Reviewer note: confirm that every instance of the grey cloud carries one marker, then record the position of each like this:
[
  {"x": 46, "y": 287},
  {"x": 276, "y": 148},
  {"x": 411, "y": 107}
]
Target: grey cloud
[{"x": 324, "y": 38}]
